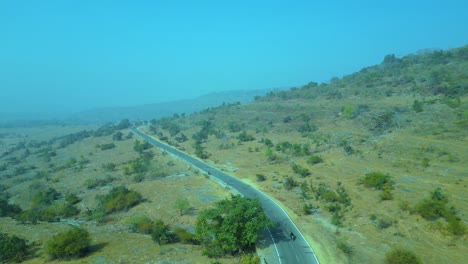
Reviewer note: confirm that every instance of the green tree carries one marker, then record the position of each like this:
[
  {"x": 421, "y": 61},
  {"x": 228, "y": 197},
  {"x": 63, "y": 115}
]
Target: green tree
[
  {"x": 117, "y": 136},
  {"x": 12, "y": 249},
  {"x": 7, "y": 209},
  {"x": 232, "y": 225},
  {"x": 69, "y": 244},
  {"x": 161, "y": 232},
  {"x": 183, "y": 205}
]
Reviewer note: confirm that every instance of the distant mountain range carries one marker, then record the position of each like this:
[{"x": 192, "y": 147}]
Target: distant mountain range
[{"x": 137, "y": 113}]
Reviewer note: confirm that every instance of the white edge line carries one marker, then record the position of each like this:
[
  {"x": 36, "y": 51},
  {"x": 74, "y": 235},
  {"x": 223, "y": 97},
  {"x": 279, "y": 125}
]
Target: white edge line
[
  {"x": 316, "y": 259},
  {"x": 274, "y": 243}
]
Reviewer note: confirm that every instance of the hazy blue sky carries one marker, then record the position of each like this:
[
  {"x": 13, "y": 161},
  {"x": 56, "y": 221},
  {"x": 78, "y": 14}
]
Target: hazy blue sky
[{"x": 73, "y": 55}]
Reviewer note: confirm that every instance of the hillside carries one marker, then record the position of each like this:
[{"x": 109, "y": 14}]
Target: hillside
[
  {"x": 365, "y": 165},
  {"x": 368, "y": 163}
]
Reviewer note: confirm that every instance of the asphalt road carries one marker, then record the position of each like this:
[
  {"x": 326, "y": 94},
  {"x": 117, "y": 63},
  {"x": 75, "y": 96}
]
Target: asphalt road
[{"x": 284, "y": 250}]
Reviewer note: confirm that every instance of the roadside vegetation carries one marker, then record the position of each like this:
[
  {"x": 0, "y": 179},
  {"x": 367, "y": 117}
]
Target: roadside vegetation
[
  {"x": 371, "y": 166},
  {"x": 359, "y": 150}
]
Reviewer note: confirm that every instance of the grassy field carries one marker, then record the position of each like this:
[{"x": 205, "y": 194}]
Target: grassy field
[{"x": 166, "y": 180}]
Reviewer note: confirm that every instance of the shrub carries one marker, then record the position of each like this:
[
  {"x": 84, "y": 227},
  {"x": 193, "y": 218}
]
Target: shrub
[
  {"x": 315, "y": 159},
  {"x": 59, "y": 209},
  {"x": 343, "y": 245},
  {"x": 337, "y": 219},
  {"x": 182, "y": 205},
  {"x": 384, "y": 223},
  {"x": 117, "y": 136},
  {"x": 12, "y": 249},
  {"x": 377, "y": 180},
  {"x": 139, "y": 165},
  {"x": 260, "y": 177},
  {"x": 431, "y": 209},
  {"x": 244, "y": 137},
  {"x": 435, "y": 206},
  {"x": 69, "y": 244},
  {"x": 161, "y": 233},
  {"x": 289, "y": 183},
  {"x": 386, "y": 192},
  {"x": 72, "y": 198},
  {"x": 184, "y": 236},
  {"x": 302, "y": 171},
  {"x": 249, "y": 259},
  {"x": 401, "y": 256},
  {"x": 7, "y": 209},
  {"x": 97, "y": 182},
  {"x": 119, "y": 198},
  {"x": 109, "y": 166},
  {"x": 45, "y": 198},
  {"x": 107, "y": 146},
  {"x": 417, "y": 106},
  {"x": 139, "y": 177},
  {"x": 456, "y": 227},
  {"x": 141, "y": 224}
]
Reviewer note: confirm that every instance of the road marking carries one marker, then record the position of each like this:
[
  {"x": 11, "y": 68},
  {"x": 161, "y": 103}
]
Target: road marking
[
  {"x": 274, "y": 243},
  {"x": 292, "y": 223}
]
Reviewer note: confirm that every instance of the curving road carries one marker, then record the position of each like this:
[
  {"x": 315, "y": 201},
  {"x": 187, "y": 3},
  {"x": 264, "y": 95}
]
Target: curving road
[{"x": 277, "y": 243}]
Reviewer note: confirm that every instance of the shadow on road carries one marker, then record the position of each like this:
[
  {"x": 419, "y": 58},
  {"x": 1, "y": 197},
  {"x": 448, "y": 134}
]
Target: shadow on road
[{"x": 275, "y": 232}]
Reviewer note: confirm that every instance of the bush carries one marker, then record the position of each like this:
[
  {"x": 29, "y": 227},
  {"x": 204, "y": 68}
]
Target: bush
[
  {"x": 139, "y": 165},
  {"x": 141, "y": 224},
  {"x": 435, "y": 206},
  {"x": 182, "y": 205},
  {"x": 260, "y": 177},
  {"x": 161, "y": 233},
  {"x": 69, "y": 244},
  {"x": 184, "y": 236},
  {"x": 57, "y": 210},
  {"x": 417, "y": 106},
  {"x": 302, "y": 171},
  {"x": 249, "y": 259},
  {"x": 377, "y": 180},
  {"x": 139, "y": 177},
  {"x": 244, "y": 137},
  {"x": 107, "y": 146},
  {"x": 119, "y": 198},
  {"x": 431, "y": 209},
  {"x": 289, "y": 183},
  {"x": 109, "y": 166},
  {"x": 12, "y": 249},
  {"x": 72, "y": 198},
  {"x": 401, "y": 256},
  {"x": 386, "y": 192},
  {"x": 315, "y": 159},
  {"x": 97, "y": 182},
  {"x": 7, "y": 209},
  {"x": 343, "y": 245},
  {"x": 456, "y": 226}
]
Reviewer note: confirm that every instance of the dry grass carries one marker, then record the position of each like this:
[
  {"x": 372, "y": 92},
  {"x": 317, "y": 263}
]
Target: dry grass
[
  {"x": 427, "y": 151},
  {"x": 112, "y": 242}
]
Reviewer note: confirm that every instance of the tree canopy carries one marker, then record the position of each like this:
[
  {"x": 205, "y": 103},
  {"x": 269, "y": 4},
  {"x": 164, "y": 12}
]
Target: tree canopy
[{"x": 232, "y": 225}]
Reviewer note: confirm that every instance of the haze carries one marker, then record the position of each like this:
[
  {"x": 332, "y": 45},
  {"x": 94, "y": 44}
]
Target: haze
[{"x": 69, "y": 56}]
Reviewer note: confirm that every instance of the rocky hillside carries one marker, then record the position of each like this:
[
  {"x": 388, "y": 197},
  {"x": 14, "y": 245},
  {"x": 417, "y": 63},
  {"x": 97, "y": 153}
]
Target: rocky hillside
[{"x": 366, "y": 164}]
